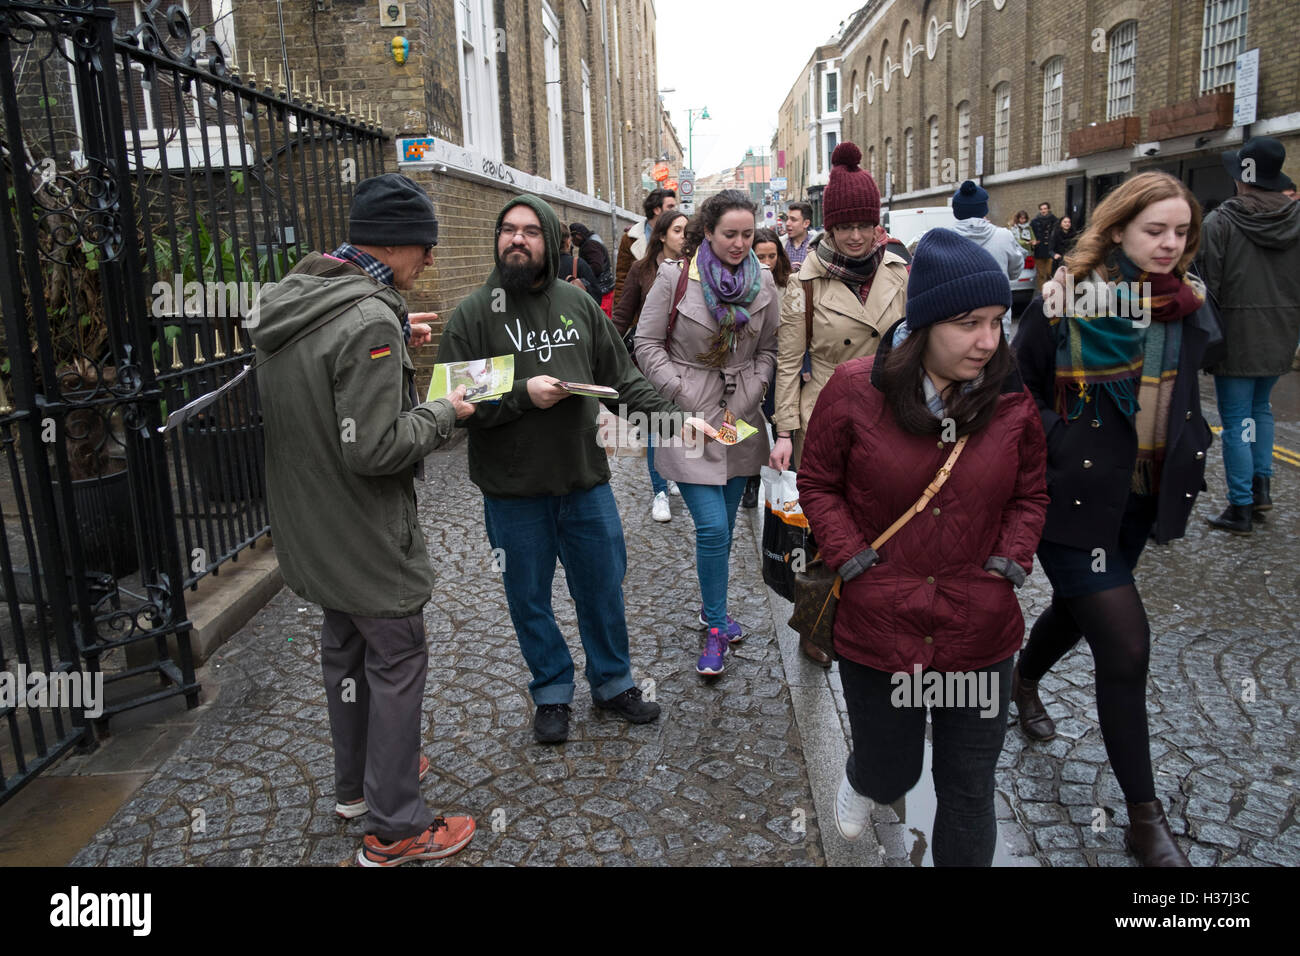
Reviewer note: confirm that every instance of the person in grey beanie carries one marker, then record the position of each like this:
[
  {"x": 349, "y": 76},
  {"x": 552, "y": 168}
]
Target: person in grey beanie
[
  {"x": 970, "y": 207},
  {"x": 344, "y": 439}
]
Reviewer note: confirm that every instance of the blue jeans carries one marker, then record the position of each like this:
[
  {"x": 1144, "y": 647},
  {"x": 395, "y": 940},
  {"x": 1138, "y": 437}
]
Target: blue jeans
[
  {"x": 713, "y": 509},
  {"x": 657, "y": 481},
  {"x": 581, "y": 529},
  {"x": 1241, "y": 401}
]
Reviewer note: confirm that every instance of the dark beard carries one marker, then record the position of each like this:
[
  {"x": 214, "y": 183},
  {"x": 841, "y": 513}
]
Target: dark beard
[{"x": 518, "y": 277}]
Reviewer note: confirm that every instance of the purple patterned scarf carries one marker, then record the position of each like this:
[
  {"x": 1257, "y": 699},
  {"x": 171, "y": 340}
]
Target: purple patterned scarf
[{"x": 727, "y": 294}]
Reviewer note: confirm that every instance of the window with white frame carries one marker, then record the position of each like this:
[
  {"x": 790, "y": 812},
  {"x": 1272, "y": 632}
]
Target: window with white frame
[
  {"x": 963, "y": 140},
  {"x": 1002, "y": 128},
  {"x": 909, "y": 159},
  {"x": 554, "y": 102},
  {"x": 478, "y": 76},
  {"x": 613, "y": 26},
  {"x": 1121, "y": 78},
  {"x": 1223, "y": 39},
  {"x": 1053, "y": 84},
  {"x": 889, "y": 167},
  {"x": 962, "y": 17},
  {"x": 871, "y": 162},
  {"x": 586, "y": 128},
  {"x": 832, "y": 92},
  {"x": 832, "y": 140},
  {"x": 934, "y": 151}
]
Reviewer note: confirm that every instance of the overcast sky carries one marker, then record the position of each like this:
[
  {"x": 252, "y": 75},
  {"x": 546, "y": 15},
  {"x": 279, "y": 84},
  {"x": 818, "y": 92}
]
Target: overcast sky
[{"x": 739, "y": 58}]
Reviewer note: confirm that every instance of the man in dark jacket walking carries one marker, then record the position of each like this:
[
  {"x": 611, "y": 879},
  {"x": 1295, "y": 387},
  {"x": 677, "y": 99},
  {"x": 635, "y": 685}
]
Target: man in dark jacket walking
[
  {"x": 543, "y": 474},
  {"x": 343, "y": 437},
  {"x": 1250, "y": 260},
  {"x": 1043, "y": 225}
]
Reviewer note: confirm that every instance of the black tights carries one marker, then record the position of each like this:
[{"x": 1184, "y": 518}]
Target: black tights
[{"x": 1114, "y": 622}]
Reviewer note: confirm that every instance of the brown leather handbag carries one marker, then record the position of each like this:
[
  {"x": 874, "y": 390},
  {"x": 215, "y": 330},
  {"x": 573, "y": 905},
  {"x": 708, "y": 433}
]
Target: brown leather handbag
[{"x": 817, "y": 588}]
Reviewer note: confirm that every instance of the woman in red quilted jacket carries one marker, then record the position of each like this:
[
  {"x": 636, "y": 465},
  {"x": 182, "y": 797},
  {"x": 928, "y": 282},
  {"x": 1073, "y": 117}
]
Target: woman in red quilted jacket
[{"x": 931, "y": 620}]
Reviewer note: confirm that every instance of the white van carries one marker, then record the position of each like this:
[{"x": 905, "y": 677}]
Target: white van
[{"x": 908, "y": 225}]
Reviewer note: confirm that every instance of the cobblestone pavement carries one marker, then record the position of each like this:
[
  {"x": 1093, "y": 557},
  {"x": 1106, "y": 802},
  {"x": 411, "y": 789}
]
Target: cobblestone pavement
[
  {"x": 719, "y": 779},
  {"x": 722, "y": 777}
]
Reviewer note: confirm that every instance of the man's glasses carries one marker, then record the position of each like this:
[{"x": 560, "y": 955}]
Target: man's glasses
[{"x": 509, "y": 232}]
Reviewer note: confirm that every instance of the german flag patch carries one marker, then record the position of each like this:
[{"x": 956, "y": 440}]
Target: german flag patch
[{"x": 382, "y": 351}]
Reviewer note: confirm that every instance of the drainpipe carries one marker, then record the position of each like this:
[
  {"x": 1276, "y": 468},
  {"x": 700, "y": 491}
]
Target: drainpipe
[{"x": 609, "y": 128}]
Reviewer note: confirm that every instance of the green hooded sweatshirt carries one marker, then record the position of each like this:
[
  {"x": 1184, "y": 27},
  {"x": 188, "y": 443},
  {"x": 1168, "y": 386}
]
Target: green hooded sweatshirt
[
  {"x": 342, "y": 436},
  {"x": 517, "y": 450}
]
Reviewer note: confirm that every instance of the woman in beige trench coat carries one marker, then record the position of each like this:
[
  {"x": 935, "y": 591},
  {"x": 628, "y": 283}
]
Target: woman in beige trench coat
[
  {"x": 845, "y": 323},
  {"x": 718, "y": 359}
]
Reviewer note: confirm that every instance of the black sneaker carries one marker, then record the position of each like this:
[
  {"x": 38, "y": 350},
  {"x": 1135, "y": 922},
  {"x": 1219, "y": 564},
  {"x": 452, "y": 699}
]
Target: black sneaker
[
  {"x": 551, "y": 723},
  {"x": 630, "y": 706},
  {"x": 750, "y": 497}
]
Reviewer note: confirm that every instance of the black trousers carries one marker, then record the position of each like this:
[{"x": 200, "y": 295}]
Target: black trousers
[{"x": 889, "y": 749}]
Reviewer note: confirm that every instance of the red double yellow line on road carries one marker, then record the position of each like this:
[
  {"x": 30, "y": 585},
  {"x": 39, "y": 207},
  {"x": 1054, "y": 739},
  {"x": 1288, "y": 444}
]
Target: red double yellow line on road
[{"x": 1280, "y": 452}]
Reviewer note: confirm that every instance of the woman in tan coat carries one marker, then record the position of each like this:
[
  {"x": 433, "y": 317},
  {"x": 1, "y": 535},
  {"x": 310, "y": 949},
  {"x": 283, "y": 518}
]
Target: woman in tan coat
[
  {"x": 858, "y": 290},
  {"x": 717, "y": 359}
]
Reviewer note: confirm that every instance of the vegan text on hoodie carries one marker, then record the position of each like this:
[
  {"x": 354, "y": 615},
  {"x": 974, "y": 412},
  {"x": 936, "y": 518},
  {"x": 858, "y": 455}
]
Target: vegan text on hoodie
[{"x": 517, "y": 450}]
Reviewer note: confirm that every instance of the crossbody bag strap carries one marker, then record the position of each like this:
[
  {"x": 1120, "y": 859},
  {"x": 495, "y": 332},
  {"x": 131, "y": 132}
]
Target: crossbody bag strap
[
  {"x": 203, "y": 401},
  {"x": 678, "y": 294},
  {"x": 932, "y": 489},
  {"x": 807, "y": 312}
]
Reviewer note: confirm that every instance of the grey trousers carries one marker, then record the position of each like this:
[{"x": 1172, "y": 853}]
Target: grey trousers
[{"x": 375, "y": 669}]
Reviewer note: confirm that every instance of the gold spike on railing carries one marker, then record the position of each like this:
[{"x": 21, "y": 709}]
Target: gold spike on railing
[
  {"x": 279, "y": 80},
  {"x": 239, "y": 346},
  {"x": 198, "y": 351},
  {"x": 217, "y": 352},
  {"x": 5, "y": 407},
  {"x": 177, "y": 364}
]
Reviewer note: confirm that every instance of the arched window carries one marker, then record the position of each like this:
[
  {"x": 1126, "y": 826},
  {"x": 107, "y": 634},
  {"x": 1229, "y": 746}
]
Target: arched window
[
  {"x": 909, "y": 159},
  {"x": 1121, "y": 77},
  {"x": 1002, "y": 127},
  {"x": 934, "y": 151},
  {"x": 1223, "y": 39},
  {"x": 1053, "y": 84},
  {"x": 963, "y": 140},
  {"x": 889, "y": 167}
]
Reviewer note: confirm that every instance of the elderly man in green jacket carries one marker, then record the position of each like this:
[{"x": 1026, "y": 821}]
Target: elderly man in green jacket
[{"x": 344, "y": 437}]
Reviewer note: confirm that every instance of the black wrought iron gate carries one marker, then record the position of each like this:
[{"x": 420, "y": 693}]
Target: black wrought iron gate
[{"x": 151, "y": 190}]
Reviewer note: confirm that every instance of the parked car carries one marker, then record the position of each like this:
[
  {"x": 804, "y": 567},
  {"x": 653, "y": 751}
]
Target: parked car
[{"x": 909, "y": 225}]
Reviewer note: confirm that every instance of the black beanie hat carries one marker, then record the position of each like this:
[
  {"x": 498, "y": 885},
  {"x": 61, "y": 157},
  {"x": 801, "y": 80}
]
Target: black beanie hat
[
  {"x": 970, "y": 201},
  {"x": 391, "y": 210}
]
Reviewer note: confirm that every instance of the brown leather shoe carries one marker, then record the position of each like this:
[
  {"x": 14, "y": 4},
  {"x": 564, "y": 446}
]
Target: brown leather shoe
[
  {"x": 814, "y": 653},
  {"x": 1149, "y": 838},
  {"x": 1034, "y": 720}
]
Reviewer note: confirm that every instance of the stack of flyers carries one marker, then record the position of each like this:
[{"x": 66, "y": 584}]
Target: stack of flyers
[
  {"x": 595, "y": 391},
  {"x": 484, "y": 379}
]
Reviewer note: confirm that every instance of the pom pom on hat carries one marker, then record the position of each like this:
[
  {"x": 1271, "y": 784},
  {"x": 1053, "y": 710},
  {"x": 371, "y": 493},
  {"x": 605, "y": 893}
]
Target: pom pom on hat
[{"x": 847, "y": 155}]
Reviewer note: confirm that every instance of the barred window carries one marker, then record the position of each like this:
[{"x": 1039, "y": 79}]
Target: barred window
[
  {"x": 889, "y": 167},
  {"x": 909, "y": 158},
  {"x": 1223, "y": 39},
  {"x": 934, "y": 151},
  {"x": 1002, "y": 128},
  {"x": 963, "y": 140},
  {"x": 1121, "y": 79},
  {"x": 1053, "y": 83}
]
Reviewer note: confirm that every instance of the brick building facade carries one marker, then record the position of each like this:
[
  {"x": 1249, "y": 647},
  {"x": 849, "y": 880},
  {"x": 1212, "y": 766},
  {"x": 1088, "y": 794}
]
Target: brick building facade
[
  {"x": 809, "y": 126},
  {"x": 516, "y": 90},
  {"x": 1059, "y": 102}
]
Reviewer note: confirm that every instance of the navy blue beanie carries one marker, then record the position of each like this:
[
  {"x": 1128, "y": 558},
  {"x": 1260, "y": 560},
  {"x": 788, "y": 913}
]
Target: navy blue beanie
[
  {"x": 970, "y": 201},
  {"x": 952, "y": 276}
]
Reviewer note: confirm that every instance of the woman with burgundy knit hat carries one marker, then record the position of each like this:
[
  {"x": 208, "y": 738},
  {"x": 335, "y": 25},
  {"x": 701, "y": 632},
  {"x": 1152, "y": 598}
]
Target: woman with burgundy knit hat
[
  {"x": 938, "y": 427},
  {"x": 851, "y": 289},
  {"x": 1114, "y": 372}
]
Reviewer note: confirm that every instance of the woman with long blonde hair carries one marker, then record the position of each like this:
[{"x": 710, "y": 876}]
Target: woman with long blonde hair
[{"x": 1112, "y": 363}]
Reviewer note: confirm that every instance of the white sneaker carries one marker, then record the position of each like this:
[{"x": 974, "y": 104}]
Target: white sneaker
[
  {"x": 660, "y": 510},
  {"x": 674, "y": 490},
  {"x": 852, "y": 811}
]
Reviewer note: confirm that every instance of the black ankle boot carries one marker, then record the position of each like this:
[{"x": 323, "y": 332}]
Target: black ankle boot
[
  {"x": 1149, "y": 838},
  {"x": 1235, "y": 518},
  {"x": 1261, "y": 490}
]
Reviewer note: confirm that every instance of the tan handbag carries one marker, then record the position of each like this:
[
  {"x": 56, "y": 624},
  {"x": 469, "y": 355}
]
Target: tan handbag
[{"x": 817, "y": 588}]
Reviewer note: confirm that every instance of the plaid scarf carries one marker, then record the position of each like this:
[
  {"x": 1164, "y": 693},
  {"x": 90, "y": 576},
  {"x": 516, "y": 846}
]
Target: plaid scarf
[
  {"x": 857, "y": 274},
  {"x": 1136, "y": 366},
  {"x": 373, "y": 268},
  {"x": 727, "y": 294}
]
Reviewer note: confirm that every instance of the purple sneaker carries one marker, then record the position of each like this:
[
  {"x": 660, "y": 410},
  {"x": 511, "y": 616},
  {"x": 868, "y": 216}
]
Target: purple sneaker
[
  {"x": 715, "y": 649},
  {"x": 734, "y": 631}
]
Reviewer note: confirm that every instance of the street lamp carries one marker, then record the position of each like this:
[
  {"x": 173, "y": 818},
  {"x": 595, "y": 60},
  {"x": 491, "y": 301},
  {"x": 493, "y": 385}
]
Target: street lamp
[{"x": 690, "y": 127}]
